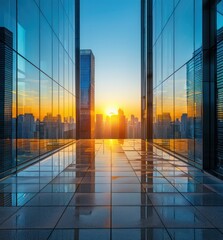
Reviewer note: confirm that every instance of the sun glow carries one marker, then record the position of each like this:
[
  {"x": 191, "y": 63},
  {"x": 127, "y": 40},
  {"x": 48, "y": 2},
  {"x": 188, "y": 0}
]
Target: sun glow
[{"x": 111, "y": 111}]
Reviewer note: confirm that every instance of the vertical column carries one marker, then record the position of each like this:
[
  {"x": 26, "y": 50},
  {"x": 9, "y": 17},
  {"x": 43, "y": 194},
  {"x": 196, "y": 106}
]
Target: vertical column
[
  {"x": 209, "y": 85},
  {"x": 77, "y": 65},
  {"x": 143, "y": 71},
  {"x": 149, "y": 70}
]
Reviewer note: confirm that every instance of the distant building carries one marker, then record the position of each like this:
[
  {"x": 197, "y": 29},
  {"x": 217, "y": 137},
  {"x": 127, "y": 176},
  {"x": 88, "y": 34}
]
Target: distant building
[
  {"x": 87, "y": 91},
  {"x": 99, "y": 127},
  {"x": 122, "y": 124},
  {"x": 134, "y": 128},
  {"x": 107, "y": 127},
  {"x": 114, "y": 126}
]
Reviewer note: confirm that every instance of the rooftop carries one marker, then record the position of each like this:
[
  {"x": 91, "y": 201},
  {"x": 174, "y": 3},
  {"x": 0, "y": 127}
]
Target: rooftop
[{"x": 107, "y": 189}]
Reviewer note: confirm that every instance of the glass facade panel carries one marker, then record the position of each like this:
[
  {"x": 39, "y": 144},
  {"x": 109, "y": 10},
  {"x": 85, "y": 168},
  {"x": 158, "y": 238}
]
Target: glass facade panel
[
  {"x": 28, "y": 30},
  {"x": 168, "y": 114},
  {"x": 184, "y": 32},
  {"x": 38, "y": 108},
  {"x": 28, "y": 111},
  {"x": 46, "y": 8},
  {"x": 183, "y": 123},
  {"x": 219, "y": 85},
  {"x": 45, "y": 46},
  {"x": 45, "y": 112},
  {"x": 168, "y": 51},
  {"x": 56, "y": 59},
  {"x": 177, "y": 77},
  {"x": 8, "y": 18}
]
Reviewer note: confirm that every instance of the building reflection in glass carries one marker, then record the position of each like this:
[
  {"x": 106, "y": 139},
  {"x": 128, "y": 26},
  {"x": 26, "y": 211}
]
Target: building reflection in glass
[{"x": 7, "y": 134}]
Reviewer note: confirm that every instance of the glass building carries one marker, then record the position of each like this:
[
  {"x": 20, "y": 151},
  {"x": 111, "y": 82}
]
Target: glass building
[
  {"x": 182, "y": 54},
  {"x": 87, "y": 92},
  {"x": 37, "y": 68}
]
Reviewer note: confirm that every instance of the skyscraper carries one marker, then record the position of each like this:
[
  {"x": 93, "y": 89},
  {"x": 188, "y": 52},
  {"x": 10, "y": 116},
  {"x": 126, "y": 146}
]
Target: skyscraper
[
  {"x": 99, "y": 128},
  {"x": 87, "y": 92},
  {"x": 6, "y": 85}
]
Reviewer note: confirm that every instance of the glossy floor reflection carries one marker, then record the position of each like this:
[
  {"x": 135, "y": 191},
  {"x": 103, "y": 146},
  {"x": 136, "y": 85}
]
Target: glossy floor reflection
[{"x": 111, "y": 190}]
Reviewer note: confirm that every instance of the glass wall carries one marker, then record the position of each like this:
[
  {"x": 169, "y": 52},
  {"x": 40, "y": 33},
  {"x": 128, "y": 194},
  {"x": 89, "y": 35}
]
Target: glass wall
[
  {"x": 37, "y": 41},
  {"x": 219, "y": 83},
  {"x": 177, "y": 76}
]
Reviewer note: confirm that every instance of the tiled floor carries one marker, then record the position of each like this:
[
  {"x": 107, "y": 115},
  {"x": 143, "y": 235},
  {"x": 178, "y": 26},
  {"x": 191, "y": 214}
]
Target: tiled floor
[{"x": 111, "y": 190}]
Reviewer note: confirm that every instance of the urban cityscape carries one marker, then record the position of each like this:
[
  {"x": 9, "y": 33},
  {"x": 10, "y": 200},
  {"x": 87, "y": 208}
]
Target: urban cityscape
[{"x": 111, "y": 119}]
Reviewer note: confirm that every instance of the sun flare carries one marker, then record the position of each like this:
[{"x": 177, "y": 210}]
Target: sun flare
[{"x": 111, "y": 111}]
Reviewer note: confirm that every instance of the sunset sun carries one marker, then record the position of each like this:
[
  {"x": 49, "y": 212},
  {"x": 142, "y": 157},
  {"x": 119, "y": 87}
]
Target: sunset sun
[{"x": 111, "y": 111}]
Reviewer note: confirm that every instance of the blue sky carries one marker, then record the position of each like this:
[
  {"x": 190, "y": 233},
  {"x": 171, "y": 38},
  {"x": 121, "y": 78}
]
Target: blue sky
[{"x": 111, "y": 29}]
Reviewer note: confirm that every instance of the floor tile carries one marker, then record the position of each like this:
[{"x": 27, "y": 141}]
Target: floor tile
[
  {"x": 80, "y": 234},
  {"x": 127, "y": 199},
  {"x": 135, "y": 217},
  {"x": 168, "y": 199},
  {"x": 34, "y": 217},
  {"x": 214, "y": 214},
  {"x": 195, "y": 234},
  {"x": 50, "y": 199},
  {"x": 140, "y": 234},
  {"x": 85, "y": 217},
  {"x": 182, "y": 217},
  {"x": 111, "y": 192},
  {"x": 90, "y": 199},
  {"x": 24, "y": 234},
  {"x": 204, "y": 199}
]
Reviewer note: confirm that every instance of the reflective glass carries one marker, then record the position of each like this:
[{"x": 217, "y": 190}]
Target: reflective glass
[
  {"x": 70, "y": 77},
  {"x": 28, "y": 111},
  {"x": 55, "y": 111},
  {"x": 8, "y": 18},
  {"x": 158, "y": 18},
  {"x": 46, "y": 8},
  {"x": 184, "y": 32},
  {"x": 66, "y": 33},
  {"x": 45, "y": 46},
  {"x": 46, "y": 117},
  {"x": 158, "y": 133},
  {"x": 219, "y": 88},
  {"x": 55, "y": 58},
  {"x": 168, "y": 114},
  {"x": 28, "y": 30},
  {"x": 7, "y": 105},
  {"x": 61, "y": 22},
  {"x": 219, "y": 15},
  {"x": 183, "y": 123},
  {"x": 55, "y": 14},
  {"x": 61, "y": 65},
  {"x": 61, "y": 113},
  {"x": 167, "y": 7},
  {"x": 168, "y": 51},
  {"x": 198, "y": 103},
  {"x": 66, "y": 71},
  {"x": 198, "y": 24},
  {"x": 158, "y": 60}
]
